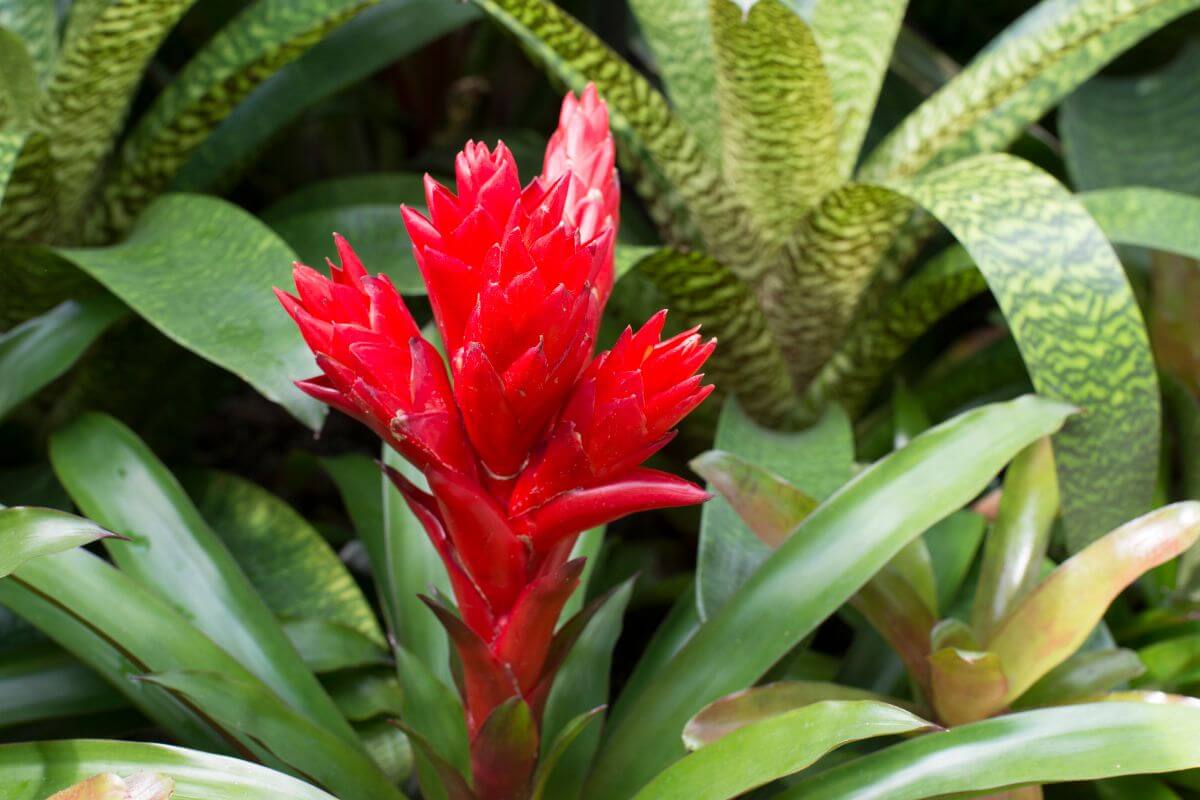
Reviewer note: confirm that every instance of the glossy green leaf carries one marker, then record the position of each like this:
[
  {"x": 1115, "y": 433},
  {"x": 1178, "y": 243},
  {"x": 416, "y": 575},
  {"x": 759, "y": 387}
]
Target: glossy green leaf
[
  {"x": 389, "y": 748},
  {"x": 582, "y": 685},
  {"x": 364, "y": 694},
  {"x": 42, "y": 682},
  {"x": 1026, "y": 71},
  {"x": 260, "y": 40},
  {"x": 30, "y": 532},
  {"x": 86, "y": 100},
  {"x": 1081, "y": 742},
  {"x": 1171, "y": 663},
  {"x": 680, "y": 37},
  {"x": 733, "y": 712},
  {"x": 293, "y": 738},
  {"x": 856, "y": 39},
  {"x": 558, "y": 748},
  {"x": 1083, "y": 675},
  {"x": 327, "y": 646},
  {"x": 1145, "y": 217},
  {"x": 767, "y": 505},
  {"x": 1135, "y": 131},
  {"x": 201, "y": 271},
  {"x": 779, "y": 137},
  {"x": 952, "y": 544},
  {"x": 966, "y": 685},
  {"x": 31, "y": 771},
  {"x": 116, "y": 480},
  {"x": 1060, "y": 273},
  {"x": 835, "y": 551},
  {"x": 1016, "y": 545},
  {"x": 432, "y": 711},
  {"x": 588, "y": 546},
  {"x": 358, "y": 481},
  {"x": 43, "y": 348},
  {"x": 895, "y": 608},
  {"x": 770, "y": 749},
  {"x": 36, "y": 22},
  {"x": 289, "y": 563},
  {"x": 377, "y": 37},
  {"x": 1045, "y": 628},
  {"x": 131, "y": 632},
  {"x": 816, "y": 461}
]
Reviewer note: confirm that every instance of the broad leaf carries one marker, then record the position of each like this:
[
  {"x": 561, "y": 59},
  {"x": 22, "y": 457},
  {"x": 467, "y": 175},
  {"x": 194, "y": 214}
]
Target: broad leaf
[
  {"x": 1081, "y": 742},
  {"x": 43, "y": 348},
  {"x": 33, "y": 770},
  {"x": 116, "y": 480},
  {"x": 42, "y": 682},
  {"x": 770, "y": 749},
  {"x": 834, "y": 552},
  {"x": 1084, "y": 675}
]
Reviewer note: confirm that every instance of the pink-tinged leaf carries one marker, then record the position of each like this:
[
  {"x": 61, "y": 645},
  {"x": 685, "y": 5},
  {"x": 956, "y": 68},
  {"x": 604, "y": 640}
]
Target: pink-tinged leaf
[
  {"x": 100, "y": 787},
  {"x": 902, "y": 617},
  {"x": 149, "y": 786},
  {"x": 770, "y": 506},
  {"x": 966, "y": 685},
  {"x": 1057, "y": 616},
  {"x": 504, "y": 752},
  {"x": 732, "y": 712}
]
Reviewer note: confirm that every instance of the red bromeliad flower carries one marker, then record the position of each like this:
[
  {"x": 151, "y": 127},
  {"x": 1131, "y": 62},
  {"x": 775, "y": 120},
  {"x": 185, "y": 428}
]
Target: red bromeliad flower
[{"x": 529, "y": 440}]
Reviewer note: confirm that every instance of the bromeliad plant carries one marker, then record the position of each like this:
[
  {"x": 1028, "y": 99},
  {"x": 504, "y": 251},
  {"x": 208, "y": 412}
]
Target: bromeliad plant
[{"x": 529, "y": 444}]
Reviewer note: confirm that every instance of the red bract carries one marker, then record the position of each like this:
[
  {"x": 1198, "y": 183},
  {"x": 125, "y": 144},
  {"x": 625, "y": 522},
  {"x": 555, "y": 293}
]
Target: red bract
[{"x": 529, "y": 440}]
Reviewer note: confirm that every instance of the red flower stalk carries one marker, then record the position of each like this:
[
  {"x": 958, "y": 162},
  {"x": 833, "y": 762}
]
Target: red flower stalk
[{"x": 529, "y": 440}]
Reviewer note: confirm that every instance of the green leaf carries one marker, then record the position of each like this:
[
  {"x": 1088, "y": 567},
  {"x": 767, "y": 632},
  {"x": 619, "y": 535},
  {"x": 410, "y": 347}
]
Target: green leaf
[
  {"x": 87, "y": 98},
  {"x": 589, "y": 546},
  {"x": 768, "y": 506},
  {"x": 1083, "y": 675},
  {"x": 43, "y": 348},
  {"x": 1134, "y": 787},
  {"x": 201, "y": 271},
  {"x": 293, "y": 738},
  {"x": 1135, "y": 131},
  {"x": 1171, "y": 663},
  {"x": 41, "y": 683},
  {"x": 36, "y": 22},
  {"x": 770, "y": 749},
  {"x": 432, "y": 711},
  {"x": 1051, "y": 269},
  {"x": 366, "y": 693},
  {"x": 780, "y": 145},
  {"x": 733, "y": 712},
  {"x": 1056, "y": 617},
  {"x": 18, "y": 84},
  {"x": 1080, "y": 742},
  {"x": 10, "y": 148},
  {"x": 377, "y": 37},
  {"x": 1155, "y": 218},
  {"x": 582, "y": 685},
  {"x": 289, "y": 563},
  {"x": 856, "y": 39},
  {"x": 33, "y": 770},
  {"x": 326, "y": 646},
  {"x": 1028, "y": 69},
  {"x": 267, "y": 35},
  {"x": 816, "y": 461},
  {"x": 966, "y": 685},
  {"x": 116, "y": 480},
  {"x": 410, "y": 566},
  {"x": 748, "y": 361},
  {"x": 680, "y": 37},
  {"x": 835, "y": 551},
  {"x": 562, "y": 742},
  {"x": 952, "y": 544},
  {"x": 29, "y": 532},
  {"x": 1016, "y": 545}
]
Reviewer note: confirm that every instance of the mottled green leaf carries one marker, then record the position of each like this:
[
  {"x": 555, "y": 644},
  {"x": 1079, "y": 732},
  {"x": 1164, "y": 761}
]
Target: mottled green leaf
[
  {"x": 1145, "y": 217},
  {"x": 290, "y": 564},
  {"x": 764, "y": 751},
  {"x": 201, "y": 271},
  {"x": 779, "y": 137},
  {"x": 1055, "y": 618},
  {"x": 43, "y": 348},
  {"x": 18, "y": 82},
  {"x": 1136, "y": 131},
  {"x": 293, "y": 738},
  {"x": 32, "y": 770},
  {"x": 816, "y": 461},
  {"x": 11, "y": 143},
  {"x": 267, "y": 35},
  {"x": 375, "y": 38},
  {"x": 1016, "y": 545},
  {"x": 28, "y": 532},
  {"x": 36, "y": 22},
  {"x": 856, "y": 38},
  {"x": 1028, "y": 69},
  {"x": 836, "y": 550},
  {"x": 680, "y": 37}
]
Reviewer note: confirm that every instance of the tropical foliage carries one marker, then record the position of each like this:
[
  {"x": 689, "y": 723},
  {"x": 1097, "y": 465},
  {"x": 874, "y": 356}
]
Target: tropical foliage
[{"x": 947, "y": 543}]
